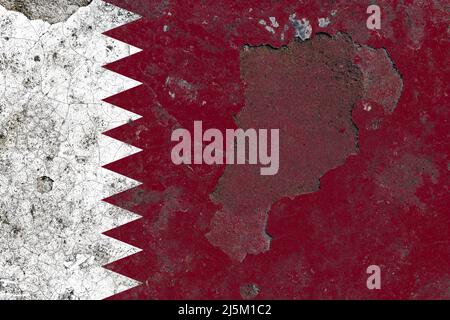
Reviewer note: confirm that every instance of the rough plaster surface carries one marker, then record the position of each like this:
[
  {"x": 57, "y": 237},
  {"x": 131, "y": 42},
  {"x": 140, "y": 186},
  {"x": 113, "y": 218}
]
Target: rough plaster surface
[
  {"x": 51, "y": 150},
  {"x": 52, "y": 11}
]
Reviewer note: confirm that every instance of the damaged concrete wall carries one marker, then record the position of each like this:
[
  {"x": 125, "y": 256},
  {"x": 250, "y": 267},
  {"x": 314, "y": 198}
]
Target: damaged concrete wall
[
  {"x": 51, "y": 149},
  {"x": 50, "y": 11},
  {"x": 378, "y": 197}
]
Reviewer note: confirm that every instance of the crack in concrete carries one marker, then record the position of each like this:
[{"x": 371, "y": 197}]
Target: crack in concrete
[{"x": 49, "y": 11}]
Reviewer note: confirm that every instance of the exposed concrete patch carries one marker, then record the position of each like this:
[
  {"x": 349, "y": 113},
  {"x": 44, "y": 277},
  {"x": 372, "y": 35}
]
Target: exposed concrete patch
[
  {"x": 303, "y": 29},
  {"x": 50, "y": 11},
  {"x": 323, "y": 22},
  {"x": 44, "y": 184},
  {"x": 249, "y": 291},
  {"x": 308, "y": 90}
]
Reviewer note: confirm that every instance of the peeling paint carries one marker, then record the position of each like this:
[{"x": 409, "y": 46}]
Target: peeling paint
[
  {"x": 303, "y": 29},
  {"x": 323, "y": 22}
]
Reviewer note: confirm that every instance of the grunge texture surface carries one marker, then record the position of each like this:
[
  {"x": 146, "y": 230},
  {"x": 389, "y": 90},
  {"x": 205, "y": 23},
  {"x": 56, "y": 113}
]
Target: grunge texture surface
[{"x": 363, "y": 179}]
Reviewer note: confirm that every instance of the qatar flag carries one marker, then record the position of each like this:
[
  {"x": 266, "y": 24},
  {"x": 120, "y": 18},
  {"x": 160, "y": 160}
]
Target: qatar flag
[{"x": 224, "y": 150}]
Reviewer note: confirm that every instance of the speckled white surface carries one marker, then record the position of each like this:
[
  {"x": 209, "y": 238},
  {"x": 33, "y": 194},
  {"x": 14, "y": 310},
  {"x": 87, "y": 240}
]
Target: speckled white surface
[{"x": 51, "y": 152}]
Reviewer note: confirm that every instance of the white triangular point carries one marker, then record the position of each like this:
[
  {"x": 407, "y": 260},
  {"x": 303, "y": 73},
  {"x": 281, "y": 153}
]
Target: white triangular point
[
  {"x": 116, "y": 150},
  {"x": 55, "y": 262}
]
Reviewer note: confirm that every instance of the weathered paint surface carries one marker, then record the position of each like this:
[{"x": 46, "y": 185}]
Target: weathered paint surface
[
  {"x": 371, "y": 187},
  {"x": 383, "y": 195}
]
